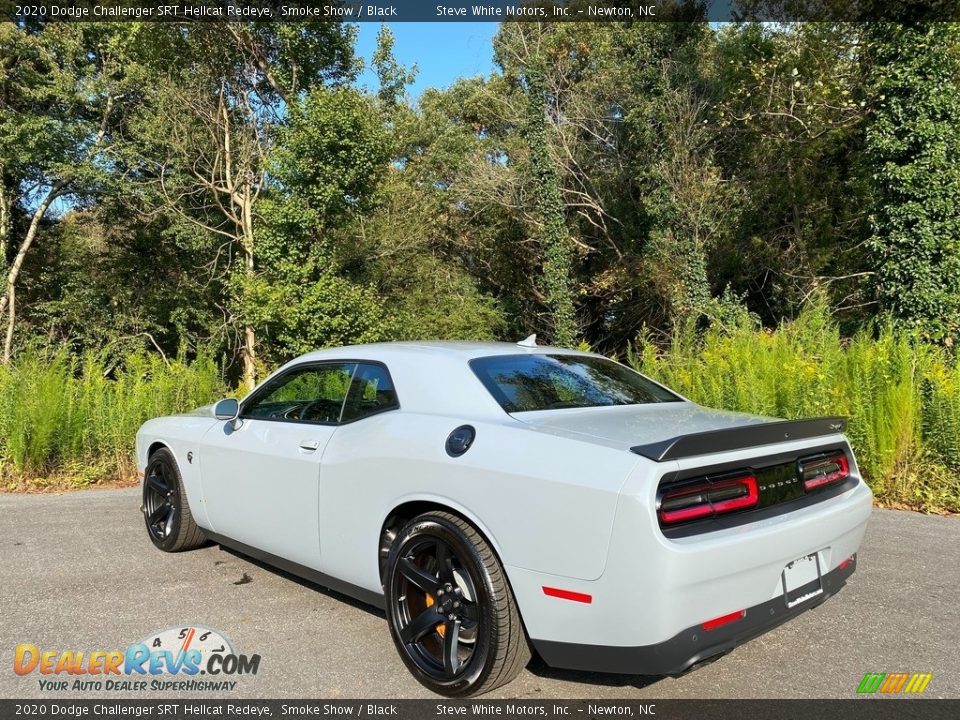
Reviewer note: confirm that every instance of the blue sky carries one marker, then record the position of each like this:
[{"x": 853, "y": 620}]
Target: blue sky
[{"x": 442, "y": 51}]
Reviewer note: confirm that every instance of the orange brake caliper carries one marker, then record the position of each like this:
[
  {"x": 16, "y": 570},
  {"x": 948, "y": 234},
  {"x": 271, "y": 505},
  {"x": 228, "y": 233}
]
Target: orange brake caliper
[{"x": 441, "y": 628}]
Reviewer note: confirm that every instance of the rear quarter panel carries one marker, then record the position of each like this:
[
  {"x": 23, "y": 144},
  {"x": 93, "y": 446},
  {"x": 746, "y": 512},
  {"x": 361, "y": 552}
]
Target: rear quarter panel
[
  {"x": 545, "y": 503},
  {"x": 654, "y": 587}
]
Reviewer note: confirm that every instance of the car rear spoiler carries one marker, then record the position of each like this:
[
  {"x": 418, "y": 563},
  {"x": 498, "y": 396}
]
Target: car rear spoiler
[{"x": 737, "y": 438}]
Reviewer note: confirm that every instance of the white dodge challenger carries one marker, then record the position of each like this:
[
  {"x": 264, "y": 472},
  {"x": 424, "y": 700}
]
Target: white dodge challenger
[{"x": 499, "y": 498}]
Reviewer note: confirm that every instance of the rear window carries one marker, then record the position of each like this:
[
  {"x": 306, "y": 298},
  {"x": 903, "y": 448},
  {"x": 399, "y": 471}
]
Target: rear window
[
  {"x": 371, "y": 392},
  {"x": 550, "y": 382}
]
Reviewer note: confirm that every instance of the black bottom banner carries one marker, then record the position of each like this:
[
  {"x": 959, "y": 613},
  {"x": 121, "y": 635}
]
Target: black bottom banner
[{"x": 175, "y": 709}]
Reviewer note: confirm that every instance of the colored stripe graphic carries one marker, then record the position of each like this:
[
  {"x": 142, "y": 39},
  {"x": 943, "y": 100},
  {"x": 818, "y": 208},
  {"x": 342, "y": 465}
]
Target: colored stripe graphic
[
  {"x": 871, "y": 682},
  {"x": 893, "y": 683},
  {"x": 918, "y": 682}
]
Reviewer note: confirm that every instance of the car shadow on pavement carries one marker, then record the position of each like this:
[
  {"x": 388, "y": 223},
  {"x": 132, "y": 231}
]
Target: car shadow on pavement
[
  {"x": 333, "y": 594},
  {"x": 536, "y": 665}
]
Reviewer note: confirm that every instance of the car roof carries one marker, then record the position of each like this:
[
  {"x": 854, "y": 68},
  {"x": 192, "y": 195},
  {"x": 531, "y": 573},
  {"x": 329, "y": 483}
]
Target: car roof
[
  {"x": 433, "y": 376},
  {"x": 463, "y": 349}
]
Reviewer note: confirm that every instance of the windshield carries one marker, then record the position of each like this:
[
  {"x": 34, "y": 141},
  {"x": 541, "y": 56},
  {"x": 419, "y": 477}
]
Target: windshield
[{"x": 548, "y": 382}]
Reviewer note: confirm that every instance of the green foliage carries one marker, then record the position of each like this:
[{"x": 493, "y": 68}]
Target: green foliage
[
  {"x": 440, "y": 232},
  {"x": 296, "y": 317},
  {"x": 102, "y": 282},
  {"x": 431, "y": 301},
  {"x": 787, "y": 119},
  {"x": 913, "y": 152},
  {"x": 247, "y": 200},
  {"x": 332, "y": 153},
  {"x": 902, "y": 396},
  {"x": 325, "y": 168},
  {"x": 553, "y": 236},
  {"x": 392, "y": 77},
  {"x": 328, "y": 382},
  {"x": 54, "y": 86},
  {"x": 60, "y": 412}
]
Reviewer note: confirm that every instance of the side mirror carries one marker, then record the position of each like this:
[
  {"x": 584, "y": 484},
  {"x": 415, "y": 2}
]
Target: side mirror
[{"x": 227, "y": 409}]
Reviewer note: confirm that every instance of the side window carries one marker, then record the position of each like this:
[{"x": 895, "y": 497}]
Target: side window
[
  {"x": 371, "y": 392},
  {"x": 314, "y": 394}
]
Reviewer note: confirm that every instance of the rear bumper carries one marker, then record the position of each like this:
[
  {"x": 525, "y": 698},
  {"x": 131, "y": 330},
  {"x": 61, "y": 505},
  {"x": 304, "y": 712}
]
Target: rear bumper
[{"x": 690, "y": 646}]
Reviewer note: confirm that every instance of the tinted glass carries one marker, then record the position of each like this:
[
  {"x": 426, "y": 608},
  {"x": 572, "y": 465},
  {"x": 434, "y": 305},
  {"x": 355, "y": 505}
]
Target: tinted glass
[
  {"x": 549, "y": 382},
  {"x": 312, "y": 394},
  {"x": 371, "y": 392}
]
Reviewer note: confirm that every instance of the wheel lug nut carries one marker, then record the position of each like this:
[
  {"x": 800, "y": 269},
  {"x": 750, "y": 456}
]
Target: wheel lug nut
[
  {"x": 440, "y": 593},
  {"x": 456, "y": 604}
]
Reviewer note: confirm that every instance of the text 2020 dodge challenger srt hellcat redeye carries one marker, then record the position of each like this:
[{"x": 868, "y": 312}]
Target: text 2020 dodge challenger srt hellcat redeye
[{"x": 495, "y": 498}]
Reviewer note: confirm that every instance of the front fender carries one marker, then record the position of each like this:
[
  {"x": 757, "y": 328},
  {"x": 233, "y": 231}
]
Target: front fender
[{"x": 181, "y": 435}]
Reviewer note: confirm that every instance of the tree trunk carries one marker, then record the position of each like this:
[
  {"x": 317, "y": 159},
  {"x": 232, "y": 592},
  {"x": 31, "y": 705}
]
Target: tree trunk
[
  {"x": 11, "y": 321},
  {"x": 693, "y": 277},
  {"x": 14, "y": 272},
  {"x": 249, "y": 342},
  {"x": 249, "y": 336},
  {"x": 5, "y": 208},
  {"x": 554, "y": 240}
]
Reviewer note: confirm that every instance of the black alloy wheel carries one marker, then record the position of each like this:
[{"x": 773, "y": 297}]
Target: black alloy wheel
[
  {"x": 436, "y": 608},
  {"x": 159, "y": 504},
  {"x": 166, "y": 512},
  {"x": 451, "y": 613}
]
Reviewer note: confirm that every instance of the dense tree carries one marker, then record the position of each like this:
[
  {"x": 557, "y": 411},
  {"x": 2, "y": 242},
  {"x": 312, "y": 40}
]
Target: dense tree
[
  {"x": 392, "y": 77},
  {"x": 606, "y": 171},
  {"x": 229, "y": 188},
  {"x": 913, "y": 153},
  {"x": 325, "y": 167},
  {"x": 789, "y": 124},
  {"x": 58, "y": 90},
  {"x": 198, "y": 142},
  {"x": 523, "y": 58}
]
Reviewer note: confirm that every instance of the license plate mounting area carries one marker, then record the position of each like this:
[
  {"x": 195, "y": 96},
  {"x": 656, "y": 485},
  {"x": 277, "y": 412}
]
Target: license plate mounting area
[{"x": 802, "y": 580}]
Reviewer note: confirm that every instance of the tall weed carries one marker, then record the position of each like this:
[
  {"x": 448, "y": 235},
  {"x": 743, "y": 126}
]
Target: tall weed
[
  {"x": 902, "y": 396},
  {"x": 67, "y": 417}
]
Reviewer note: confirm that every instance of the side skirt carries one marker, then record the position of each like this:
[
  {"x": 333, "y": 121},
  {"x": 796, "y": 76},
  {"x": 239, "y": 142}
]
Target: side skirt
[{"x": 356, "y": 592}]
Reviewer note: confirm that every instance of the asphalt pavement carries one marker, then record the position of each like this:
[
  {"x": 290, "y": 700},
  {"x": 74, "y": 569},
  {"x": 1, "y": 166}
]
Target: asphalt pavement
[{"x": 77, "y": 572}]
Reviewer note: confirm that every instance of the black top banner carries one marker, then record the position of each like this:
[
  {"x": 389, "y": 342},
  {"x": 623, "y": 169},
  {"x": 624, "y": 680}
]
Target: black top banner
[{"x": 782, "y": 11}]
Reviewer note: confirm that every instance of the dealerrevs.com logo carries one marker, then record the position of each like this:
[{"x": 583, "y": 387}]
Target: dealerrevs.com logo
[{"x": 169, "y": 660}]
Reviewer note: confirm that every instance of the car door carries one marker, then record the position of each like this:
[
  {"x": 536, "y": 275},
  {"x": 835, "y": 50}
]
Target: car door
[{"x": 261, "y": 475}]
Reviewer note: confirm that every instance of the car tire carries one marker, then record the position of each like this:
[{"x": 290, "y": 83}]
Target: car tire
[
  {"x": 451, "y": 612},
  {"x": 166, "y": 511}
]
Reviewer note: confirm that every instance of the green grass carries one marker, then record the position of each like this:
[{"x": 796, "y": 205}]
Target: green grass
[
  {"x": 70, "y": 422},
  {"x": 902, "y": 397}
]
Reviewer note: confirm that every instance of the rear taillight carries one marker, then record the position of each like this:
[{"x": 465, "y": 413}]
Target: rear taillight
[
  {"x": 708, "y": 498},
  {"x": 821, "y": 471}
]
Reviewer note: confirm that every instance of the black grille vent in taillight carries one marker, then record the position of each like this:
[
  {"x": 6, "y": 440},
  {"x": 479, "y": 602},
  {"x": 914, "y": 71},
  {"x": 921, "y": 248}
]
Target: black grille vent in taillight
[{"x": 778, "y": 484}]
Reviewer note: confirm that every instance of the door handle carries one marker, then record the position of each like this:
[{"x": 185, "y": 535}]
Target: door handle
[{"x": 309, "y": 445}]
